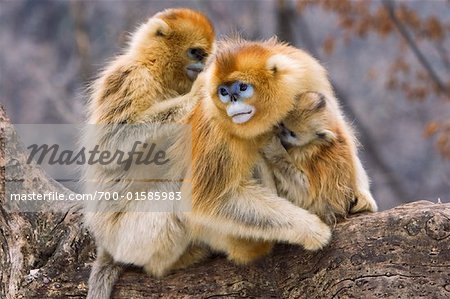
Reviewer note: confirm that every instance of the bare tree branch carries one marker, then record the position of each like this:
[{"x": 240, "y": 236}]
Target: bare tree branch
[
  {"x": 78, "y": 12},
  {"x": 389, "y": 5},
  {"x": 284, "y": 17}
]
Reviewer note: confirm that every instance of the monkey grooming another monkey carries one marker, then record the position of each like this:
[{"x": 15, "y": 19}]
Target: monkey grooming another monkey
[{"x": 161, "y": 62}]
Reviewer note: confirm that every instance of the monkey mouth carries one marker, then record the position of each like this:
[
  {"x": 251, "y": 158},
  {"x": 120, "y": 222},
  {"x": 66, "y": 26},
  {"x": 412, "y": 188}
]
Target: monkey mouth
[
  {"x": 194, "y": 69},
  {"x": 242, "y": 117},
  {"x": 287, "y": 145},
  {"x": 240, "y": 112}
]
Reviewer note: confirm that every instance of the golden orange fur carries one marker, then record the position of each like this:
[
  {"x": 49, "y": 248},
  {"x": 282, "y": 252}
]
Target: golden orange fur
[{"x": 314, "y": 79}]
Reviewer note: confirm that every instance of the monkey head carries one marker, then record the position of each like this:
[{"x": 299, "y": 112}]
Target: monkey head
[
  {"x": 309, "y": 122},
  {"x": 175, "y": 43},
  {"x": 251, "y": 87}
]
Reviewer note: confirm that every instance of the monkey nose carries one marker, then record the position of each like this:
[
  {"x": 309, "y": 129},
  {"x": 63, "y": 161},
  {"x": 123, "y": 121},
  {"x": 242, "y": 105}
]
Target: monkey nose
[{"x": 283, "y": 130}]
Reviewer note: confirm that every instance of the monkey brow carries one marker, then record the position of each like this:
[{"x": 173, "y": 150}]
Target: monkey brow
[{"x": 228, "y": 82}]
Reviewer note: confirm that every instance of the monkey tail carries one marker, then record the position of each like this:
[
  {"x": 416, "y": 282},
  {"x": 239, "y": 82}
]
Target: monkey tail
[{"x": 104, "y": 274}]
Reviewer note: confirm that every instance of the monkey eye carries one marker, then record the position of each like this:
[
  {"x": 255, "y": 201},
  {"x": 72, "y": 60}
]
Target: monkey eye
[
  {"x": 224, "y": 95},
  {"x": 197, "y": 54},
  {"x": 244, "y": 90},
  {"x": 293, "y": 134},
  {"x": 223, "y": 91},
  {"x": 320, "y": 135}
]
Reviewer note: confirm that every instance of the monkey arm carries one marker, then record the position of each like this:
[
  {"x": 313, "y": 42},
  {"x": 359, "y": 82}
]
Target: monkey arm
[
  {"x": 151, "y": 124},
  {"x": 365, "y": 201},
  {"x": 264, "y": 175},
  {"x": 148, "y": 127},
  {"x": 254, "y": 212},
  {"x": 290, "y": 180},
  {"x": 175, "y": 109},
  {"x": 168, "y": 111},
  {"x": 275, "y": 152}
]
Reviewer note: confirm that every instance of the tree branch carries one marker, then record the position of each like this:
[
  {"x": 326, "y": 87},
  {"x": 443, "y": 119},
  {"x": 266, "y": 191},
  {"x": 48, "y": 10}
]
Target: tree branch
[{"x": 389, "y": 5}]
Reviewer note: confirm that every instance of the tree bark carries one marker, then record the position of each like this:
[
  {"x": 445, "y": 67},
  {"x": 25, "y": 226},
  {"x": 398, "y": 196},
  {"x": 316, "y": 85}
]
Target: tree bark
[{"x": 400, "y": 253}]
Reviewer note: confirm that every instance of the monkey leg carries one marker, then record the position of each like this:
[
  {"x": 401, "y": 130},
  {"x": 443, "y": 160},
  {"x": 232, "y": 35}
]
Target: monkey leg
[
  {"x": 244, "y": 251},
  {"x": 238, "y": 250},
  {"x": 363, "y": 197},
  {"x": 194, "y": 253},
  {"x": 170, "y": 250}
]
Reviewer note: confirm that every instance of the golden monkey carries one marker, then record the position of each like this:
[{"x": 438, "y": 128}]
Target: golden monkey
[
  {"x": 162, "y": 60},
  {"x": 250, "y": 88},
  {"x": 319, "y": 169},
  {"x": 247, "y": 89}
]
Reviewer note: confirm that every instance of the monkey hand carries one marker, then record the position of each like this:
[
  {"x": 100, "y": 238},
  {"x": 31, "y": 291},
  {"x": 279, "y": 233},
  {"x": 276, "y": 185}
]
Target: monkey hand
[
  {"x": 363, "y": 202},
  {"x": 274, "y": 148},
  {"x": 317, "y": 236}
]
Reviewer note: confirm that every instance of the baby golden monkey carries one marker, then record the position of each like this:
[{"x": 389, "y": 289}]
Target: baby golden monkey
[
  {"x": 315, "y": 165},
  {"x": 315, "y": 79},
  {"x": 247, "y": 89},
  {"x": 162, "y": 60}
]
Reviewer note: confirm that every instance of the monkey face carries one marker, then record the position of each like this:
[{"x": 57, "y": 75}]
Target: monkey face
[
  {"x": 308, "y": 123},
  {"x": 198, "y": 57},
  {"x": 179, "y": 42},
  {"x": 234, "y": 95},
  {"x": 251, "y": 87},
  {"x": 189, "y": 41}
]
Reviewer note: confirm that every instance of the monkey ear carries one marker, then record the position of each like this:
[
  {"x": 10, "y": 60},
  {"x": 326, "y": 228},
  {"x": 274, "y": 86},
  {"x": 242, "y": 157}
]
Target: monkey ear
[
  {"x": 319, "y": 101},
  {"x": 326, "y": 135},
  {"x": 153, "y": 28},
  {"x": 158, "y": 27},
  {"x": 313, "y": 101},
  {"x": 280, "y": 63}
]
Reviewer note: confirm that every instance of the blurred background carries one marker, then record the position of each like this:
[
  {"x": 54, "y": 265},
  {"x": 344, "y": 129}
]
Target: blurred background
[{"x": 389, "y": 62}]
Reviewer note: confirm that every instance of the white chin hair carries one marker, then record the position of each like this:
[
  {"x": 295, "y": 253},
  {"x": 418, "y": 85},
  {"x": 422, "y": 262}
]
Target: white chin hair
[{"x": 242, "y": 118}]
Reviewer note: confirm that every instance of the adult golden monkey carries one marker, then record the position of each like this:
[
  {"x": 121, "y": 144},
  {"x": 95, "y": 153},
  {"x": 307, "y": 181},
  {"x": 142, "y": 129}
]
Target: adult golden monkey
[
  {"x": 161, "y": 61},
  {"x": 250, "y": 87}
]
